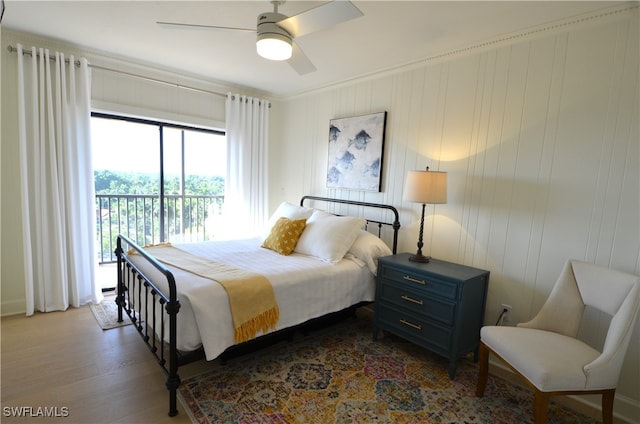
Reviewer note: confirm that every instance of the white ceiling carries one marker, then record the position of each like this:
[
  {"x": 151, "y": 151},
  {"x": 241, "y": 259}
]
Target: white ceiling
[{"x": 389, "y": 35}]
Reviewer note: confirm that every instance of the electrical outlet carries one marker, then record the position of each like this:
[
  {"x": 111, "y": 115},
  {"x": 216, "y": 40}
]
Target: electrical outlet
[{"x": 506, "y": 316}]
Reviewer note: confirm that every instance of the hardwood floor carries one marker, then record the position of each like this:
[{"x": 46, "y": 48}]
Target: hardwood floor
[{"x": 65, "y": 360}]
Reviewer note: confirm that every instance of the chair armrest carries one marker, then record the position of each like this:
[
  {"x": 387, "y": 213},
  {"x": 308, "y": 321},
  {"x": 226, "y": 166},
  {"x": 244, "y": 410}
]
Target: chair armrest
[{"x": 604, "y": 371}]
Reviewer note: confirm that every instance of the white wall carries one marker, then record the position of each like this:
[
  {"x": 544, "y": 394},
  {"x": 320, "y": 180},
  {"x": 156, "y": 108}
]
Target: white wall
[{"x": 540, "y": 141}]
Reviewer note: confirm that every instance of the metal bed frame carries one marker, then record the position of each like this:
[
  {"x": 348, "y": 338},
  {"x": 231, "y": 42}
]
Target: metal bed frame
[{"x": 140, "y": 298}]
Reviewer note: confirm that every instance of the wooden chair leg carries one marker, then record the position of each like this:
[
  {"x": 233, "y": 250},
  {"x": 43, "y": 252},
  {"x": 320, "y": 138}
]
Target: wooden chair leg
[
  {"x": 483, "y": 369},
  {"x": 540, "y": 407},
  {"x": 607, "y": 406}
]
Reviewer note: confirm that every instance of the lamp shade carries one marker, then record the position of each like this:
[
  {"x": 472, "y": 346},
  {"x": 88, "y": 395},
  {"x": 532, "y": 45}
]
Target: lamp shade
[{"x": 426, "y": 187}]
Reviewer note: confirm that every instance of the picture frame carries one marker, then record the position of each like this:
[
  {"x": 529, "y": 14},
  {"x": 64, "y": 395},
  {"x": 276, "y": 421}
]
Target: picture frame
[{"x": 356, "y": 151}]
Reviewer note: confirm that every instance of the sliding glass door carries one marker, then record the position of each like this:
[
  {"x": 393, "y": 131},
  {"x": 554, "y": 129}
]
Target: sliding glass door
[{"x": 155, "y": 181}]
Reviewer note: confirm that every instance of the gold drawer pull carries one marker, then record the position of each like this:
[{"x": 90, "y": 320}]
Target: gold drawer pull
[
  {"x": 414, "y": 280},
  {"x": 410, "y": 324},
  {"x": 412, "y": 300}
]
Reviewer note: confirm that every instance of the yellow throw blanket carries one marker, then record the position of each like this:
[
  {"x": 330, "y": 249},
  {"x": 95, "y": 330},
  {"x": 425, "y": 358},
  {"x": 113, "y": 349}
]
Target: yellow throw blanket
[{"x": 251, "y": 297}]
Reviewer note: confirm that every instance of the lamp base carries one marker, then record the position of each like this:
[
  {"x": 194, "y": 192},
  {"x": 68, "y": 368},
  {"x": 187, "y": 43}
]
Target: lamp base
[{"x": 419, "y": 257}]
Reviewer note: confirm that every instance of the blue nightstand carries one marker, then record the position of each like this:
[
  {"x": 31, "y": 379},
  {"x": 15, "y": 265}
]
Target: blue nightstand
[{"x": 437, "y": 305}]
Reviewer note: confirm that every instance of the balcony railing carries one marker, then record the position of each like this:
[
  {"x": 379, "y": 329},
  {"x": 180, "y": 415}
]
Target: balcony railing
[{"x": 183, "y": 218}]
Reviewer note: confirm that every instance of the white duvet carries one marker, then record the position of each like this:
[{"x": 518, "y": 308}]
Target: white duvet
[{"x": 305, "y": 287}]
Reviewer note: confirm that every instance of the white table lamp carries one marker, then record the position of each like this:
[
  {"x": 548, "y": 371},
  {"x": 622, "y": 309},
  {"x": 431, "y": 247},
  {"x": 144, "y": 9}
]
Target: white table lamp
[{"x": 425, "y": 187}]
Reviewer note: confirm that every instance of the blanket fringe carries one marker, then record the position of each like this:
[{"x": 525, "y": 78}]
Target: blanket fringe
[{"x": 264, "y": 322}]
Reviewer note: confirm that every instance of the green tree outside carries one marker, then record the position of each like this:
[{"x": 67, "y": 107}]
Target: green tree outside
[{"x": 128, "y": 203}]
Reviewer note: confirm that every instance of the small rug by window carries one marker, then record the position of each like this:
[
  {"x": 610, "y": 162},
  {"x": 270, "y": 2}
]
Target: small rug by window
[
  {"x": 340, "y": 375},
  {"x": 106, "y": 313}
]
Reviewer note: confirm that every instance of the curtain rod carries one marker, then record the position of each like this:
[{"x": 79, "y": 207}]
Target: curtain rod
[{"x": 131, "y": 74}]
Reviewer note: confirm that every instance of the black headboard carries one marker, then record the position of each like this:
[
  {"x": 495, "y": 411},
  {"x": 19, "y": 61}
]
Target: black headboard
[{"x": 395, "y": 224}]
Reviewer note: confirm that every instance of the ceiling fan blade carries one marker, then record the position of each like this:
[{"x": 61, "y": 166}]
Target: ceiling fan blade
[
  {"x": 321, "y": 17},
  {"x": 199, "y": 26},
  {"x": 299, "y": 61}
]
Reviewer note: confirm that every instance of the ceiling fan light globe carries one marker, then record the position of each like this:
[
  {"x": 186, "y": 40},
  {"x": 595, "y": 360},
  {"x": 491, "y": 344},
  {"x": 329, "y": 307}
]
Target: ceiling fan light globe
[{"x": 274, "y": 47}]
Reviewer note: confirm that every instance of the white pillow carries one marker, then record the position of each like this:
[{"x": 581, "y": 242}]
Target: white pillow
[
  {"x": 288, "y": 210},
  {"x": 368, "y": 248},
  {"x": 328, "y": 237}
]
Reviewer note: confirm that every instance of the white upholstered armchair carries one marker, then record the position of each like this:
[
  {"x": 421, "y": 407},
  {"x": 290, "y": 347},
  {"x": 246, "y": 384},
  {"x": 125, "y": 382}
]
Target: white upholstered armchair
[{"x": 547, "y": 354}]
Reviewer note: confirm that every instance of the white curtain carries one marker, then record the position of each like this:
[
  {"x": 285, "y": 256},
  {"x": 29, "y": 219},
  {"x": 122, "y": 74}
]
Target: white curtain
[
  {"x": 246, "y": 186},
  {"x": 58, "y": 200}
]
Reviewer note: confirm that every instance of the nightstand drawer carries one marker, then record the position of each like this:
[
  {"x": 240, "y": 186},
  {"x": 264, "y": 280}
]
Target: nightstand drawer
[
  {"x": 420, "y": 281},
  {"x": 418, "y": 302},
  {"x": 417, "y": 330}
]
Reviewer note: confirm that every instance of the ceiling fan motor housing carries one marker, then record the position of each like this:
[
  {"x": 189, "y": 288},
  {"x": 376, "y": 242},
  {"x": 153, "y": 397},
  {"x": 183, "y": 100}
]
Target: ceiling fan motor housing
[{"x": 267, "y": 29}]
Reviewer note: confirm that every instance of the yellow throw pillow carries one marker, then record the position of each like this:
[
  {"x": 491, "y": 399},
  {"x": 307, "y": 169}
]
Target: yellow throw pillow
[{"x": 284, "y": 235}]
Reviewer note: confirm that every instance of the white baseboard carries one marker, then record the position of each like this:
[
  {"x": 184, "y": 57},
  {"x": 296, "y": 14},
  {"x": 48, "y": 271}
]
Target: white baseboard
[
  {"x": 12, "y": 307},
  {"x": 625, "y": 409}
]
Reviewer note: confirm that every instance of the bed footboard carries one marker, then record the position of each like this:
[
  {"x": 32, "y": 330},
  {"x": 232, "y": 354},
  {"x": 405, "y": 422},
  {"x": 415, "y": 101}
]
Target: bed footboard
[{"x": 152, "y": 311}]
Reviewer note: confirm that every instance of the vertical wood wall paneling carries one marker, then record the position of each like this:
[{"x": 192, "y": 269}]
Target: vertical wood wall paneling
[
  {"x": 467, "y": 248},
  {"x": 407, "y": 154}
]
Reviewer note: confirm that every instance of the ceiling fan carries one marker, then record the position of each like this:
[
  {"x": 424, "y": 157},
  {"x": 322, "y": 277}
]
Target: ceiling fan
[{"x": 276, "y": 32}]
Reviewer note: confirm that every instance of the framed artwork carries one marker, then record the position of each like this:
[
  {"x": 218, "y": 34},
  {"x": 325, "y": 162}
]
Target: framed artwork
[{"x": 356, "y": 147}]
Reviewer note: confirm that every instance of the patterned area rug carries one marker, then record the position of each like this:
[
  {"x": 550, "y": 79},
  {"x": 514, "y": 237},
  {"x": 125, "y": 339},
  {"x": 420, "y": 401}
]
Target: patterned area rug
[
  {"x": 340, "y": 375},
  {"x": 106, "y": 313}
]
